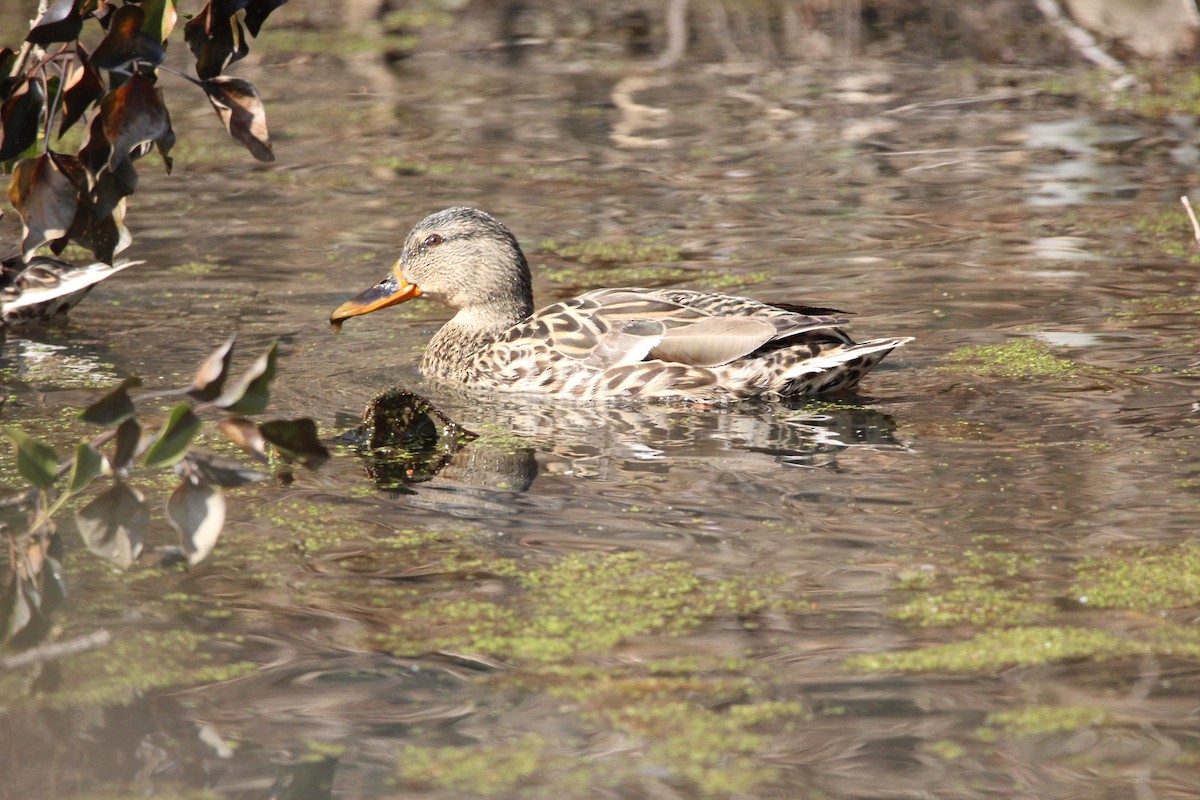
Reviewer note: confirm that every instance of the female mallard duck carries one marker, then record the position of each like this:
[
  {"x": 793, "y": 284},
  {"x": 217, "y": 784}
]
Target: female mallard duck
[
  {"x": 670, "y": 344},
  {"x": 45, "y": 288}
]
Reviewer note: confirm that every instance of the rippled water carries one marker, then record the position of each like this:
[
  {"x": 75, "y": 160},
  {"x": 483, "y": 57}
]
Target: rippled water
[{"x": 958, "y": 205}]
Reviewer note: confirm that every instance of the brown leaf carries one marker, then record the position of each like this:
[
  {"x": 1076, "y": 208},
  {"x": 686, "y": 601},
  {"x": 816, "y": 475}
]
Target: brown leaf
[
  {"x": 46, "y": 205},
  {"x": 129, "y": 439},
  {"x": 114, "y": 524},
  {"x": 59, "y": 22},
  {"x": 20, "y": 115},
  {"x": 83, "y": 87},
  {"x": 197, "y": 511},
  {"x": 131, "y": 119},
  {"x": 126, "y": 42},
  {"x": 104, "y": 236},
  {"x": 164, "y": 144},
  {"x": 216, "y": 39},
  {"x": 133, "y": 115},
  {"x": 257, "y": 12},
  {"x": 96, "y": 149},
  {"x": 210, "y": 378},
  {"x": 240, "y": 107},
  {"x": 246, "y": 435}
]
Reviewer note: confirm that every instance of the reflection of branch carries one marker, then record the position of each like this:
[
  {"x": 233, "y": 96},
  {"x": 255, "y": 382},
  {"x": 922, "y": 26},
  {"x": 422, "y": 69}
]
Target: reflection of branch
[
  {"x": 1187, "y": 204},
  {"x": 633, "y": 114},
  {"x": 51, "y": 652},
  {"x": 676, "y": 34},
  {"x": 1082, "y": 41}
]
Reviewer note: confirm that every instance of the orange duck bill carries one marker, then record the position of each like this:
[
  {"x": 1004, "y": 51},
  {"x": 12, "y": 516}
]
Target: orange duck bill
[{"x": 388, "y": 292}]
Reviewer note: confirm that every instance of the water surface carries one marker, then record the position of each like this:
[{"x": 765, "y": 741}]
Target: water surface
[{"x": 650, "y": 602}]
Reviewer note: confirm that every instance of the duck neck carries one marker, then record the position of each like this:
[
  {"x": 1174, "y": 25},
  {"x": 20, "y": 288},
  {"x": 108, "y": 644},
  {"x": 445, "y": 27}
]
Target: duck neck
[{"x": 453, "y": 349}]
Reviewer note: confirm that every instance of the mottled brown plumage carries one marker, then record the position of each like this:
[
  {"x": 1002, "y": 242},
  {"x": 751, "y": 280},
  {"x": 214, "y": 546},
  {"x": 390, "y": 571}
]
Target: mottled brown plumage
[
  {"x": 45, "y": 288},
  {"x": 670, "y": 344}
]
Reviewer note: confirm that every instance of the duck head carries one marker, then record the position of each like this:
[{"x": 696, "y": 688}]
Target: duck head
[{"x": 461, "y": 257}]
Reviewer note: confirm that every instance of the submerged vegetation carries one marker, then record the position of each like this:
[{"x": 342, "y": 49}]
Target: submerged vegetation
[{"x": 1017, "y": 358}]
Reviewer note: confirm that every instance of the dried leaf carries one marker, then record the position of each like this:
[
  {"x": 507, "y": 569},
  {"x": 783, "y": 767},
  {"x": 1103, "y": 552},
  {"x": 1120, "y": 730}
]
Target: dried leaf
[
  {"x": 174, "y": 438},
  {"x": 84, "y": 87},
  {"x": 214, "y": 469},
  {"x": 216, "y": 39},
  {"x": 20, "y": 116},
  {"x": 257, "y": 12},
  {"x": 111, "y": 187},
  {"x": 126, "y": 42},
  {"x": 46, "y": 200},
  {"x": 114, "y": 524},
  {"x": 36, "y": 462},
  {"x": 240, "y": 108},
  {"x": 164, "y": 144},
  {"x": 96, "y": 149},
  {"x": 298, "y": 439},
  {"x": 210, "y": 378},
  {"x": 197, "y": 511},
  {"x": 59, "y": 22},
  {"x": 252, "y": 391},
  {"x": 115, "y": 407},
  {"x": 15, "y": 611},
  {"x": 88, "y": 464},
  {"x": 133, "y": 115},
  {"x": 129, "y": 438},
  {"x": 104, "y": 236},
  {"x": 246, "y": 435}
]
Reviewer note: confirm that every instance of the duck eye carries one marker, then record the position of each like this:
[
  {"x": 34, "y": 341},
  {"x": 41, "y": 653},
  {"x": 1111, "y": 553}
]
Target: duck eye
[{"x": 433, "y": 239}]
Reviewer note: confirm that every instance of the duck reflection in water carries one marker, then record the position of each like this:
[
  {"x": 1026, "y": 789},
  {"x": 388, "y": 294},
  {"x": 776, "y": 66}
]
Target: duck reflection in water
[{"x": 412, "y": 448}]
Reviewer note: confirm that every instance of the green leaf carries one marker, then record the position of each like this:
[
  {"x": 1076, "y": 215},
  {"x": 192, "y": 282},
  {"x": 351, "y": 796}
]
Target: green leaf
[
  {"x": 88, "y": 464},
  {"x": 37, "y": 462},
  {"x": 115, "y": 407},
  {"x": 114, "y": 524},
  {"x": 210, "y": 378},
  {"x": 129, "y": 436},
  {"x": 197, "y": 511},
  {"x": 160, "y": 18},
  {"x": 174, "y": 438},
  {"x": 296, "y": 438},
  {"x": 252, "y": 391}
]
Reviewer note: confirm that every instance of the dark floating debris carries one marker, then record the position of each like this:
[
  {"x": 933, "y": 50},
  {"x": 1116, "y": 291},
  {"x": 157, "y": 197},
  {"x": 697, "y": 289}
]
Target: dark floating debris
[{"x": 405, "y": 439}]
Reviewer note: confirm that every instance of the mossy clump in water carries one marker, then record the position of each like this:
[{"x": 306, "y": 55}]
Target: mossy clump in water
[
  {"x": 605, "y": 251},
  {"x": 134, "y": 663},
  {"x": 1026, "y": 647},
  {"x": 975, "y": 605},
  {"x": 1138, "y": 307},
  {"x": 1001, "y": 590},
  {"x": 1141, "y": 579},
  {"x": 1043, "y": 720},
  {"x": 579, "y": 605},
  {"x": 716, "y": 751},
  {"x": 478, "y": 769},
  {"x": 1016, "y": 358}
]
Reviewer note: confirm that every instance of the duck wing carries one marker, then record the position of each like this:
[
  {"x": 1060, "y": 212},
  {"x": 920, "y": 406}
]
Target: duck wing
[
  {"x": 46, "y": 287},
  {"x": 625, "y": 326}
]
